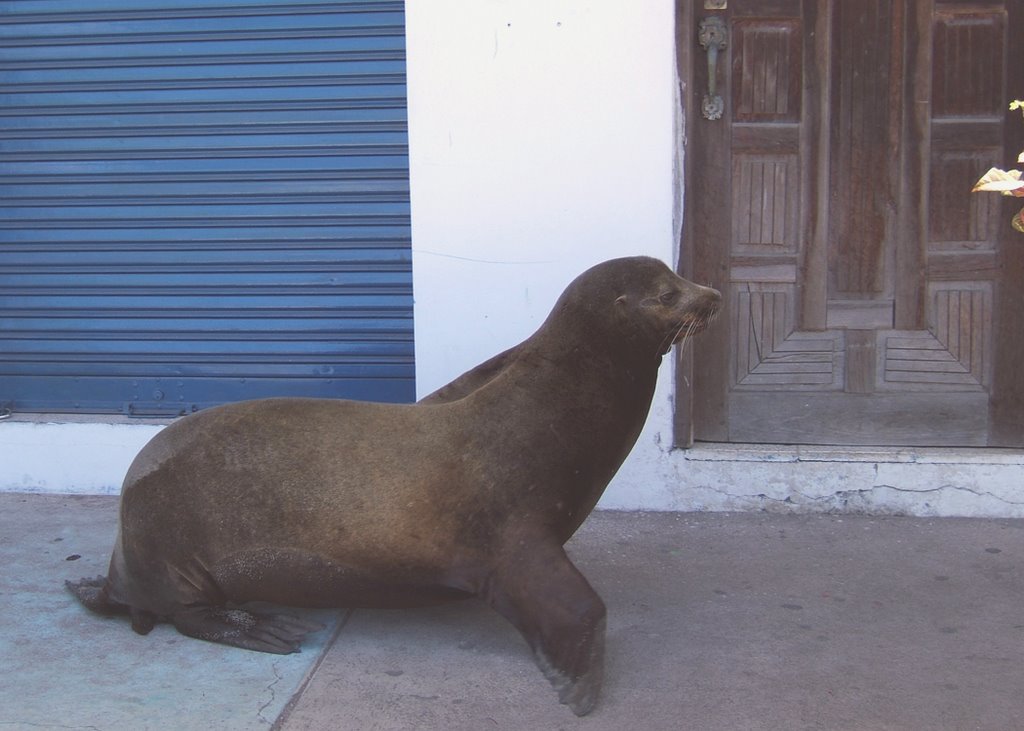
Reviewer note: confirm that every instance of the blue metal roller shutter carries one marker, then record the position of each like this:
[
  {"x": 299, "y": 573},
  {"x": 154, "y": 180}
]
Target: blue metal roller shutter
[{"x": 202, "y": 202}]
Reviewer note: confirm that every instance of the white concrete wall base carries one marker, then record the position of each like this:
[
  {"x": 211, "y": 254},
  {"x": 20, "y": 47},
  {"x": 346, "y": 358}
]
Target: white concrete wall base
[
  {"x": 68, "y": 458},
  {"x": 788, "y": 479}
]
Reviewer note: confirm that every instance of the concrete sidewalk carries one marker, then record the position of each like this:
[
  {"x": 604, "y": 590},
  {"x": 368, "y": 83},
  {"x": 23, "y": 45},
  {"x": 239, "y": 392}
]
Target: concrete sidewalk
[{"x": 715, "y": 621}]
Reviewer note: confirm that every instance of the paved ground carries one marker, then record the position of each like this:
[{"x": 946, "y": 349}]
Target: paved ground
[{"x": 716, "y": 621}]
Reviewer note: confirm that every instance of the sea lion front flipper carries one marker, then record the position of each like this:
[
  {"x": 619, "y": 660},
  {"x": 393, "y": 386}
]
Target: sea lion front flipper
[
  {"x": 280, "y": 634},
  {"x": 549, "y": 601}
]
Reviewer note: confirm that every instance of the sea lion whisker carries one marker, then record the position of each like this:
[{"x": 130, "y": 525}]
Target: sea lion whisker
[
  {"x": 691, "y": 328},
  {"x": 672, "y": 337}
]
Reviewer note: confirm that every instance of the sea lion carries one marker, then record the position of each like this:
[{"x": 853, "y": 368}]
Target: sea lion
[{"x": 470, "y": 492}]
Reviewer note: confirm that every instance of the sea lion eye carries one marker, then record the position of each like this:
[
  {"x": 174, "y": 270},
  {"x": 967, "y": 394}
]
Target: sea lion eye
[{"x": 668, "y": 298}]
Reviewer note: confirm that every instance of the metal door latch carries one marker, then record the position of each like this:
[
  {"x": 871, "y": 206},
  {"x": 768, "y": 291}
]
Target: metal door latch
[{"x": 712, "y": 36}]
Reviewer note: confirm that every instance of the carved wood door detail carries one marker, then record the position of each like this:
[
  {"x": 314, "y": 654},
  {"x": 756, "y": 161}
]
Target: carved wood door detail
[{"x": 869, "y": 293}]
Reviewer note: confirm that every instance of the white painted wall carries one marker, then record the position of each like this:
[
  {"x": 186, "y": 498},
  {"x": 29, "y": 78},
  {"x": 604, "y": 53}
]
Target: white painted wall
[{"x": 543, "y": 140}]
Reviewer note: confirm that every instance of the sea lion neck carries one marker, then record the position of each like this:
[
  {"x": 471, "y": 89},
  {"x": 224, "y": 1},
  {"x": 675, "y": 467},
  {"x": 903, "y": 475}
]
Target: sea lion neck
[{"x": 576, "y": 359}]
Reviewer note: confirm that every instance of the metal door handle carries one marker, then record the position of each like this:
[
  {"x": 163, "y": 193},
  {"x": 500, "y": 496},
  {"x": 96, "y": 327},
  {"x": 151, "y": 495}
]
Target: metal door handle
[{"x": 712, "y": 33}]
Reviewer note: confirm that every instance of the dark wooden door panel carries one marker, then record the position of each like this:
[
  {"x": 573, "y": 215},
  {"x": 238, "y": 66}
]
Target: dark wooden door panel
[
  {"x": 839, "y": 418},
  {"x": 831, "y": 202}
]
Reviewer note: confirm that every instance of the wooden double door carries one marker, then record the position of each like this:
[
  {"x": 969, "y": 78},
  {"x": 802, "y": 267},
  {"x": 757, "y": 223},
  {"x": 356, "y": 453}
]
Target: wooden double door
[{"x": 870, "y": 298}]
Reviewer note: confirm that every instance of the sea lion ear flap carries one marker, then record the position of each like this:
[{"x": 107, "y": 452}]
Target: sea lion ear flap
[{"x": 621, "y": 299}]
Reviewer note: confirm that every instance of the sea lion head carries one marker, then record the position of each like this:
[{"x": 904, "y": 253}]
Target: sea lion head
[{"x": 639, "y": 300}]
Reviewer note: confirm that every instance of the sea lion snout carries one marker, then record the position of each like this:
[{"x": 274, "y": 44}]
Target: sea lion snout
[
  {"x": 665, "y": 307},
  {"x": 691, "y": 308},
  {"x": 707, "y": 297},
  {"x": 699, "y": 309}
]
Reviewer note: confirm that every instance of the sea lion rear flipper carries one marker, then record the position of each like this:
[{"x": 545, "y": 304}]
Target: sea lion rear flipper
[
  {"x": 94, "y": 596},
  {"x": 562, "y": 618},
  {"x": 280, "y": 634}
]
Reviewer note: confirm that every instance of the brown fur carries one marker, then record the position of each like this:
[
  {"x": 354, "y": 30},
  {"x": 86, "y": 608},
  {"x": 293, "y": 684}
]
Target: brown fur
[{"x": 470, "y": 492}]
